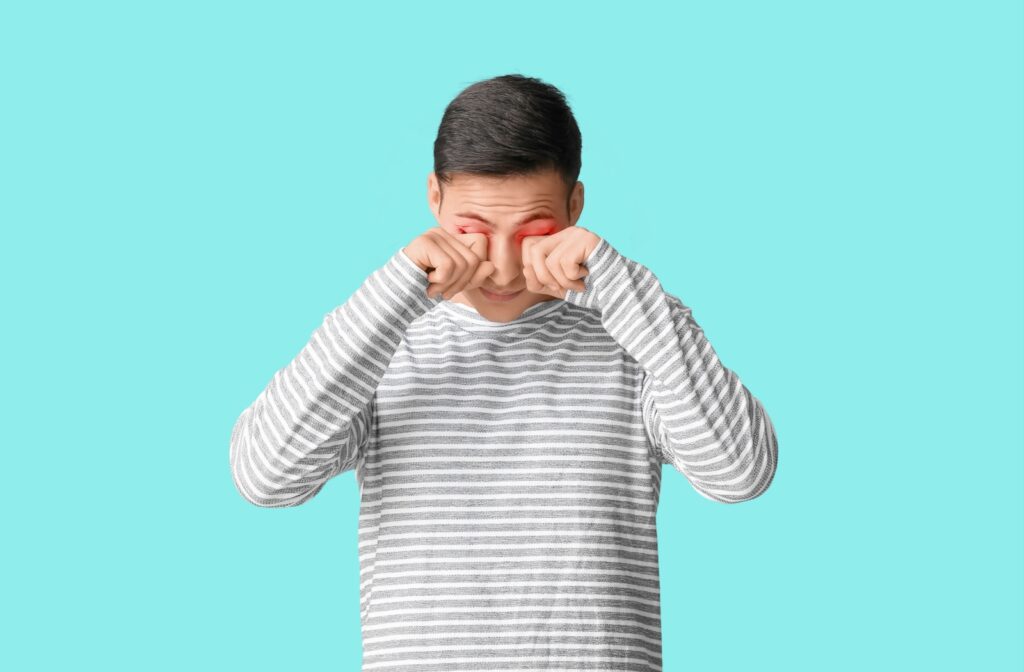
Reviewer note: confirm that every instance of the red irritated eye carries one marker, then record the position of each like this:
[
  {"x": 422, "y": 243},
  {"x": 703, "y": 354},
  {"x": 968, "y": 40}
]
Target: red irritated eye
[
  {"x": 545, "y": 231},
  {"x": 536, "y": 232}
]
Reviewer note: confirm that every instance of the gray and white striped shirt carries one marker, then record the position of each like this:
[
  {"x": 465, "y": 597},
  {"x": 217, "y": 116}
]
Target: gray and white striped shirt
[{"x": 509, "y": 473}]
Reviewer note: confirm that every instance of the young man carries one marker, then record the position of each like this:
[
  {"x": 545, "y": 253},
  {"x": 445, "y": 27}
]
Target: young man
[{"x": 506, "y": 388}]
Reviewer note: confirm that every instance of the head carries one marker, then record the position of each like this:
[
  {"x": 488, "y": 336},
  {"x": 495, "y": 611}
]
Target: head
[{"x": 506, "y": 164}]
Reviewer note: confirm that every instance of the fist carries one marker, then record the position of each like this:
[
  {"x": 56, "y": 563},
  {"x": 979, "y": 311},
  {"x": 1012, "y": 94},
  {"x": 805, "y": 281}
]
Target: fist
[
  {"x": 552, "y": 264},
  {"x": 452, "y": 262}
]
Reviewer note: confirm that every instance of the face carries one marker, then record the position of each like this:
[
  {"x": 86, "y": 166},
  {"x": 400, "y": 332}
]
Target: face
[{"x": 505, "y": 209}]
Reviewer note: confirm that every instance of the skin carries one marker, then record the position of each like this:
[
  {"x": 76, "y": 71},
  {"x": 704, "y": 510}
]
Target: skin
[{"x": 513, "y": 214}]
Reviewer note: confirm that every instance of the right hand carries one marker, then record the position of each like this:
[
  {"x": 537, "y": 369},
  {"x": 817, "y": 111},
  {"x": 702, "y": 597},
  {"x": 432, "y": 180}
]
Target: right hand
[{"x": 452, "y": 262}]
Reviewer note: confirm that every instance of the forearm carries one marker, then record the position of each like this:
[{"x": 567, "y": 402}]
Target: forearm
[
  {"x": 702, "y": 418},
  {"x": 308, "y": 424}
]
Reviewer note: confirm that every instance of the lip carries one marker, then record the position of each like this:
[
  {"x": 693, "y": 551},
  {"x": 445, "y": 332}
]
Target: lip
[{"x": 499, "y": 297}]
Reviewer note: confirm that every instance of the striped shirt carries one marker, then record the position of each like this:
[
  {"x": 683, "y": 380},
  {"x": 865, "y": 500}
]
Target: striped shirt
[{"x": 509, "y": 472}]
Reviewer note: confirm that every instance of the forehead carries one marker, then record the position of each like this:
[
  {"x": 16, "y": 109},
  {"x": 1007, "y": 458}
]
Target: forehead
[{"x": 506, "y": 191}]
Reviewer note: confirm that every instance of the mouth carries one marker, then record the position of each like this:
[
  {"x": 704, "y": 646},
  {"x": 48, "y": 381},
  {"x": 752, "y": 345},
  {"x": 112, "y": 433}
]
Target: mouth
[{"x": 494, "y": 296}]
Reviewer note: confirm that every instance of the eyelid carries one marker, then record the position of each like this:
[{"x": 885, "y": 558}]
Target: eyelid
[
  {"x": 539, "y": 217},
  {"x": 521, "y": 233}
]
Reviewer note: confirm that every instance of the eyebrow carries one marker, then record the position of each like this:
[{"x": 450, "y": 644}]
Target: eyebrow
[{"x": 528, "y": 218}]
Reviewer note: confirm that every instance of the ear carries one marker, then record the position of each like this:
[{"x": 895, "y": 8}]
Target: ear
[
  {"x": 575, "y": 203},
  {"x": 434, "y": 195}
]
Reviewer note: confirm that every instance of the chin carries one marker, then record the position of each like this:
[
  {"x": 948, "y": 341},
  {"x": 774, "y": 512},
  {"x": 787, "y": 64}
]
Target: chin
[{"x": 499, "y": 310}]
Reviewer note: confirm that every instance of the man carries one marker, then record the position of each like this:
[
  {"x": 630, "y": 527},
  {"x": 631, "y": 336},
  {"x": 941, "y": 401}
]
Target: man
[{"x": 506, "y": 388}]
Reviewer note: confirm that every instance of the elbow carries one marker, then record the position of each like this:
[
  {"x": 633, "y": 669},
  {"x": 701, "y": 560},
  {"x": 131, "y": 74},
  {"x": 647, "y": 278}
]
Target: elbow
[
  {"x": 758, "y": 477},
  {"x": 248, "y": 493},
  {"x": 757, "y": 471},
  {"x": 271, "y": 497},
  {"x": 257, "y": 490},
  {"x": 243, "y": 476},
  {"x": 237, "y": 455},
  {"x": 743, "y": 490},
  {"x": 767, "y": 452},
  {"x": 253, "y": 482},
  {"x": 762, "y": 447},
  {"x": 757, "y": 486},
  {"x": 252, "y": 493}
]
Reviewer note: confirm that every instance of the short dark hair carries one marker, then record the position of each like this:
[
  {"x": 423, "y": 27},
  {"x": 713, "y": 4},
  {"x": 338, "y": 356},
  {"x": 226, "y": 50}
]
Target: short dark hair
[{"x": 508, "y": 125}]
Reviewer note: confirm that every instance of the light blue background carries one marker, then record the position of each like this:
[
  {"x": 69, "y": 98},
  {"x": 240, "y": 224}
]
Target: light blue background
[{"x": 835, "y": 188}]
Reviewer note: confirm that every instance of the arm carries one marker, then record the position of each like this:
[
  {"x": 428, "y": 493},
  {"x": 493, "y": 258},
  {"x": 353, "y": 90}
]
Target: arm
[
  {"x": 312, "y": 420},
  {"x": 697, "y": 412}
]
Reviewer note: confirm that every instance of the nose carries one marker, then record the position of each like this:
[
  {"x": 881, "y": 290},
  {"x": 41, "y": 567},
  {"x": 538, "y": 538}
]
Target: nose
[{"x": 506, "y": 255}]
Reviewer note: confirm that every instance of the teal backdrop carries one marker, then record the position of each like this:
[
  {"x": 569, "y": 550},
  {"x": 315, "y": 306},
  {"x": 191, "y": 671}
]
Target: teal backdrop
[{"x": 834, "y": 188}]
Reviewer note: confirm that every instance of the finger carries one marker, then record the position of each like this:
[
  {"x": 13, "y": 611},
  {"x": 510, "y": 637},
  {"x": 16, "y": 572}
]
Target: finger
[
  {"x": 536, "y": 287},
  {"x": 483, "y": 271},
  {"x": 464, "y": 242},
  {"x": 540, "y": 268},
  {"x": 473, "y": 247},
  {"x": 534, "y": 253},
  {"x": 438, "y": 267},
  {"x": 575, "y": 273},
  {"x": 475, "y": 242},
  {"x": 555, "y": 263},
  {"x": 448, "y": 263},
  {"x": 531, "y": 279},
  {"x": 573, "y": 266},
  {"x": 444, "y": 270}
]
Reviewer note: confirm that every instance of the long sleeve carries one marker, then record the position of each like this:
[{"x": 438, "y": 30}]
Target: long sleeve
[
  {"x": 312, "y": 420},
  {"x": 697, "y": 412}
]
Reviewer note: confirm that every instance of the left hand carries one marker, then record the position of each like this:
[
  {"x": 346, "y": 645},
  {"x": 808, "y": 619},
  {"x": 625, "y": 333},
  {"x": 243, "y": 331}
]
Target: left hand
[{"x": 552, "y": 264}]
